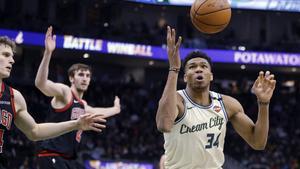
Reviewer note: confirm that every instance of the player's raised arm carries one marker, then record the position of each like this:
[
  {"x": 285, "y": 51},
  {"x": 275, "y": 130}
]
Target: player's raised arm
[
  {"x": 168, "y": 104},
  {"x": 255, "y": 134},
  {"x": 42, "y": 131},
  {"x": 48, "y": 87}
]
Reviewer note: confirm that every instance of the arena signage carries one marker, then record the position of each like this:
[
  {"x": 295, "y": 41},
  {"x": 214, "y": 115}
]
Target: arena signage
[
  {"x": 267, "y": 58},
  {"x": 91, "y": 164},
  {"x": 71, "y": 42},
  {"x": 129, "y": 49},
  {"x": 153, "y": 52}
]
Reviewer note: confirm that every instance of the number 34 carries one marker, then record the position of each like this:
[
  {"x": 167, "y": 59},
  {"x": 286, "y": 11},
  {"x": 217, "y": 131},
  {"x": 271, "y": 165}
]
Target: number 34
[{"x": 212, "y": 141}]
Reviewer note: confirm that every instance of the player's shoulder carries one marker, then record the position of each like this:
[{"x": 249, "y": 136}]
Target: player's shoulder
[
  {"x": 16, "y": 93},
  {"x": 18, "y": 97},
  {"x": 228, "y": 99},
  {"x": 64, "y": 86},
  {"x": 179, "y": 94},
  {"x": 19, "y": 100},
  {"x": 232, "y": 105},
  {"x": 66, "y": 94}
]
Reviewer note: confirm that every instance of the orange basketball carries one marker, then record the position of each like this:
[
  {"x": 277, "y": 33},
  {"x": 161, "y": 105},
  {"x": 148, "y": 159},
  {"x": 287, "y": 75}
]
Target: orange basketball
[{"x": 210, "y": 16}]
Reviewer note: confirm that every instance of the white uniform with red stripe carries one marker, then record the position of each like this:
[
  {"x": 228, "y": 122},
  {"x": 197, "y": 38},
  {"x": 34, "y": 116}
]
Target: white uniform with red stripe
[{"x": 196, "y": 140}]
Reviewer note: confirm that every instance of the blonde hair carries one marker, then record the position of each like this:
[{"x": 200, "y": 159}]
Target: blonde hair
[{"x": 7, "y": 41}]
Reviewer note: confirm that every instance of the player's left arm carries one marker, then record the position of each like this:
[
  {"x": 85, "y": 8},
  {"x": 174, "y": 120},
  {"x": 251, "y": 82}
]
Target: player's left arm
[
  {"x": 255, "y": 134},
  {"x": 35, "y": 132},
  {"x": 105, "y": 111}
]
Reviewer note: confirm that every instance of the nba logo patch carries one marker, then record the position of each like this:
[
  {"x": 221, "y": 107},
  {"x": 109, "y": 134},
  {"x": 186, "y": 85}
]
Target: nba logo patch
[{"x": 217, "y": 109}]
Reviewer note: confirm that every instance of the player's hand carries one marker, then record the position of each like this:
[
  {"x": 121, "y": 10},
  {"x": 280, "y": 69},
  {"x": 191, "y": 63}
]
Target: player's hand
[
  {"x": 117, "y": 106},
  {"x": 50, "y": 40},
  {"x": 264, "y": 86},
  {"x": 173, "y": 48},
  {"x": 94, "y": 122}
]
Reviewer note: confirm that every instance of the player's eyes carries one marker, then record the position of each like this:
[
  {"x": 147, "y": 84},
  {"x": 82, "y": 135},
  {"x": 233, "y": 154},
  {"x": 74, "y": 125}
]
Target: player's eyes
[{"x": 6, "y": 54}]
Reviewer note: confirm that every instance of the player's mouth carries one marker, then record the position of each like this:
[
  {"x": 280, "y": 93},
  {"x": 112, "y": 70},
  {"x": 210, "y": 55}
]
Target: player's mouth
[
  {"x": 8, "y": 68},
  {"x": 199, "y": 78}
]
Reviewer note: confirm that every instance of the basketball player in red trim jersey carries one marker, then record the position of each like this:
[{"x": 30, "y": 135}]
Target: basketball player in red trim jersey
[
  {"x": 66, "y": 103},
  {"x": 13, "y": 109}
]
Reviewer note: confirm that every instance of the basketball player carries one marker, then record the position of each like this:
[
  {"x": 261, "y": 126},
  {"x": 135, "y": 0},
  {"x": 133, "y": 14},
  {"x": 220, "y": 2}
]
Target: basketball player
[
  {"x": 194, "y": 119},
  {"x": 14, "y": 110},
  {"x": 67, "y": 103}
]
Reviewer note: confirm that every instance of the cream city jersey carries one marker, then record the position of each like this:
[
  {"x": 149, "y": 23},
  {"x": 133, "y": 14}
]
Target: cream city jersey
[{"x": 196, "y": 140}]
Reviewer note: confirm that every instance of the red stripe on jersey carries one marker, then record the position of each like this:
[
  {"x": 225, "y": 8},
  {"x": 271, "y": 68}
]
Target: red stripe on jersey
[
  {"x": 2, "y": 89},
  {"x": 79, "y": 100},
  {"x": 66, "y": 107},
  {"x": 12, "y": 100},
  {"x": 46, "y": 153}
]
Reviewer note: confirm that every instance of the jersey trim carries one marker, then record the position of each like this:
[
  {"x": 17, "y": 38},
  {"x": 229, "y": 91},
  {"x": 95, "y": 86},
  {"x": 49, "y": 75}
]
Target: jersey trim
[
  {"x": 49, "y": 153},
  {"x": 196, "y": 104},
  {"x": 79, "y": 100},
  {"x": 184, "y": 113},
  {"x": 12, "y": 100},
  {"x": 2, "y": 89},
  {"x": 66, "y": 107},
  {"x": 223, "y": 106}
]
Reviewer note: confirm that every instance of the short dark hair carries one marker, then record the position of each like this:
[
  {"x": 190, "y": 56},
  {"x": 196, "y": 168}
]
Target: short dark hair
[
  {"x": 196, "y": 54},
  {"x": 7, "y": 41},
  {"x": 78, "y": 66}
]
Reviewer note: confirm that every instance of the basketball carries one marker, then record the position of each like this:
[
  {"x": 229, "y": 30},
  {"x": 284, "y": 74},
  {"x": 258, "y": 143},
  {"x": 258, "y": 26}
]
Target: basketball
[{"x": 210, "y": 16}]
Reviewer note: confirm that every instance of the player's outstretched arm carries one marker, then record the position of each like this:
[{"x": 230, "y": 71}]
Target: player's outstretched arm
[
  {"x": 48, "y": 87},
  {"x": 35, "y": 132},
  {"x": 255, "y": 134},
  {"x": 168, "y": 104},
  {"x": 105, "y": 112}
]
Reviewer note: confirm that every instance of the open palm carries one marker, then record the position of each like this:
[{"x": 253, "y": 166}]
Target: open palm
[
  {"x": 173, "y": 48},
  {"x": 92, "y": 122},
  {"x": 50, "y": 40},
  {"x": 264, "y": 86}
]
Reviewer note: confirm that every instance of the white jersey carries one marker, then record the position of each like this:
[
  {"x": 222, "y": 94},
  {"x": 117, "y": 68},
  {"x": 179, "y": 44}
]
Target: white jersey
[{"x": 196, "y": 140}]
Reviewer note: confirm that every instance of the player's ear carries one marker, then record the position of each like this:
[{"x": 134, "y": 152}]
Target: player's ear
[
  {"x": 71, "y": 79},
  {"x": 211, "y": 76},
  {"x": 185, "y": 78}
]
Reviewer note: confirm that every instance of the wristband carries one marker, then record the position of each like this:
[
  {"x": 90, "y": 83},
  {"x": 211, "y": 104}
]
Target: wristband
[
  {"x": 174, "y": 69},
  {"x": 263, "y": 103}
]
